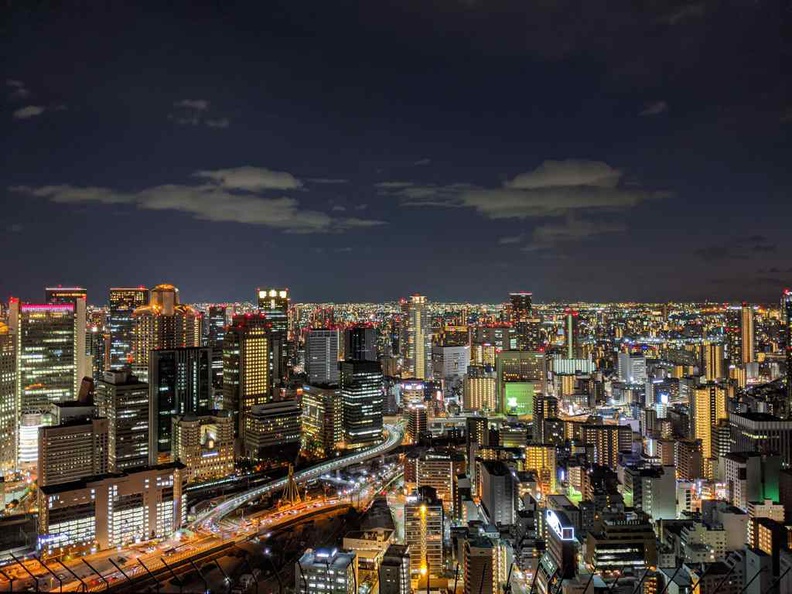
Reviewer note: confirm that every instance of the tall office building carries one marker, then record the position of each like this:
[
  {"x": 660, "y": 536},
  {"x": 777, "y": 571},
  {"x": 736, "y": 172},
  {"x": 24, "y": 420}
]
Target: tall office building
[
  {"x": 321, "y": 356},
  {"x": 180, "y": 382},
  {"x": 216, "y": 324},
  {"x": 418, "y": 339},
  {"x": 326, "y": 571},
  {"x": 272, "y": 431},
  {"x": 274, "y": 304},
  {"x": 748, "y": 350},
  {"x": 72, "y": 451},
  {"x": 123, "y": 302},
  {"x": 362, "y": 392},
  {"x": 51, "y": 353},
  {"x": 423, "y": 532},
  {"x": 360, "y": 343},
  {"x": 9, "y": 406},
  {"x": 322, "y": 420},
  {"x": 707, "y": 408},
  {"x": 526, "y": 326},
  {"x": 571, "y": 337},
  {"x": 124, "y": 401},
  {"x": 165, "y": 323},
  {"x": 786, "y": 307},
  {"x": 247, "y": 366}
]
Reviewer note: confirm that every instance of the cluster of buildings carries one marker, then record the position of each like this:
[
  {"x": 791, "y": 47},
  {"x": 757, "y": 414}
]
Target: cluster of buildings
[
  {"x": 598, "y": 448},
  {"x": 633, "y": 447}
]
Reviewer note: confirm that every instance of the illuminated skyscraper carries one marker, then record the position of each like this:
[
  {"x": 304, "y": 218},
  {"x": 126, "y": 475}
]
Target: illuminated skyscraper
[
  {"x": 571, "y": 338},
  {"x": 9, "y": 409},
  {"x": 65, "y": 294},
  {"x": 247, "y": 366},
  {"x": 274, "y": 303},
  {"x": 362, "y": 392},
  {"x": 124, "y": 401},
  {"x": 418, "y": 335},
  {"x": 748, "y": 349},
  {"x": 216, "y": 324},
  {"x": 526, "y": 326},
  {"x": 180, "y": 382},
  {"x": 707, "y": 407},
  {"x": 163, "y": 324},
  {"x": 51, "y": 353},
  {"x": 123, "y": 302},
  {"x": 360, "y": 343},
  {"x": 321, "y": 357}
]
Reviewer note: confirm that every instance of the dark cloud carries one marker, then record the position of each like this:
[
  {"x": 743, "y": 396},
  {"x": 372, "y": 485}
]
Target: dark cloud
[{"x": 746, "y": 248}]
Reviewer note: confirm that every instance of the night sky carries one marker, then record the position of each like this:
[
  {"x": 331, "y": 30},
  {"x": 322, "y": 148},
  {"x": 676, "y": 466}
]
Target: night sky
[{"x": 365, "y": 151}]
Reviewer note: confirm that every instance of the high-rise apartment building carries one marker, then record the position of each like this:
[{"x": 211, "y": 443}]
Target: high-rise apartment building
[
  {"x": 713, "y": 361},
  {"x": 418, "y": 339},
  {"x": 360, "y": 343},
  {"x": 321, "y": 356},
  {"x": 482, "y": 564},
  {"x": 707, "y": 408},
  {"x": 362, "y": 394},
  {"x": 9, "y": 406},
  {"x": 51, "y": 353},
  {"x": 541, "y": 460},
  {"x": 423, "y": 532},
  {"x": 394, "y": 570},
  {"x": 322, "y": 420},
  {"x": 180, "y": 382},
  {"x": 124, "y": 401},
  {"x": 123, "y": 302},
  {"x": 608, "y": 442},
  {"x": 165, "y": 323},
  {"x": 247, "y": 366},
  {"x": 479, "y": 389},
  {"x": 748, "y": 350}
]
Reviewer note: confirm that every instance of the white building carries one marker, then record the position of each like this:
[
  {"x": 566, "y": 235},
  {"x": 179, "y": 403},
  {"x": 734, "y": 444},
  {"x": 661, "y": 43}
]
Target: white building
[{"x": 326, "y": 571}]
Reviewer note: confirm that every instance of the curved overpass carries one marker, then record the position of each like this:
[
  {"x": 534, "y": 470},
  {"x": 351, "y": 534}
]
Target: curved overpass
[{"x": 394, "y": 436}]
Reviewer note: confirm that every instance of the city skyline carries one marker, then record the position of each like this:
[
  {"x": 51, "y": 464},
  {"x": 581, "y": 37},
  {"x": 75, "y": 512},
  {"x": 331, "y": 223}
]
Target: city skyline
[{"x": 453, "y": 148}]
